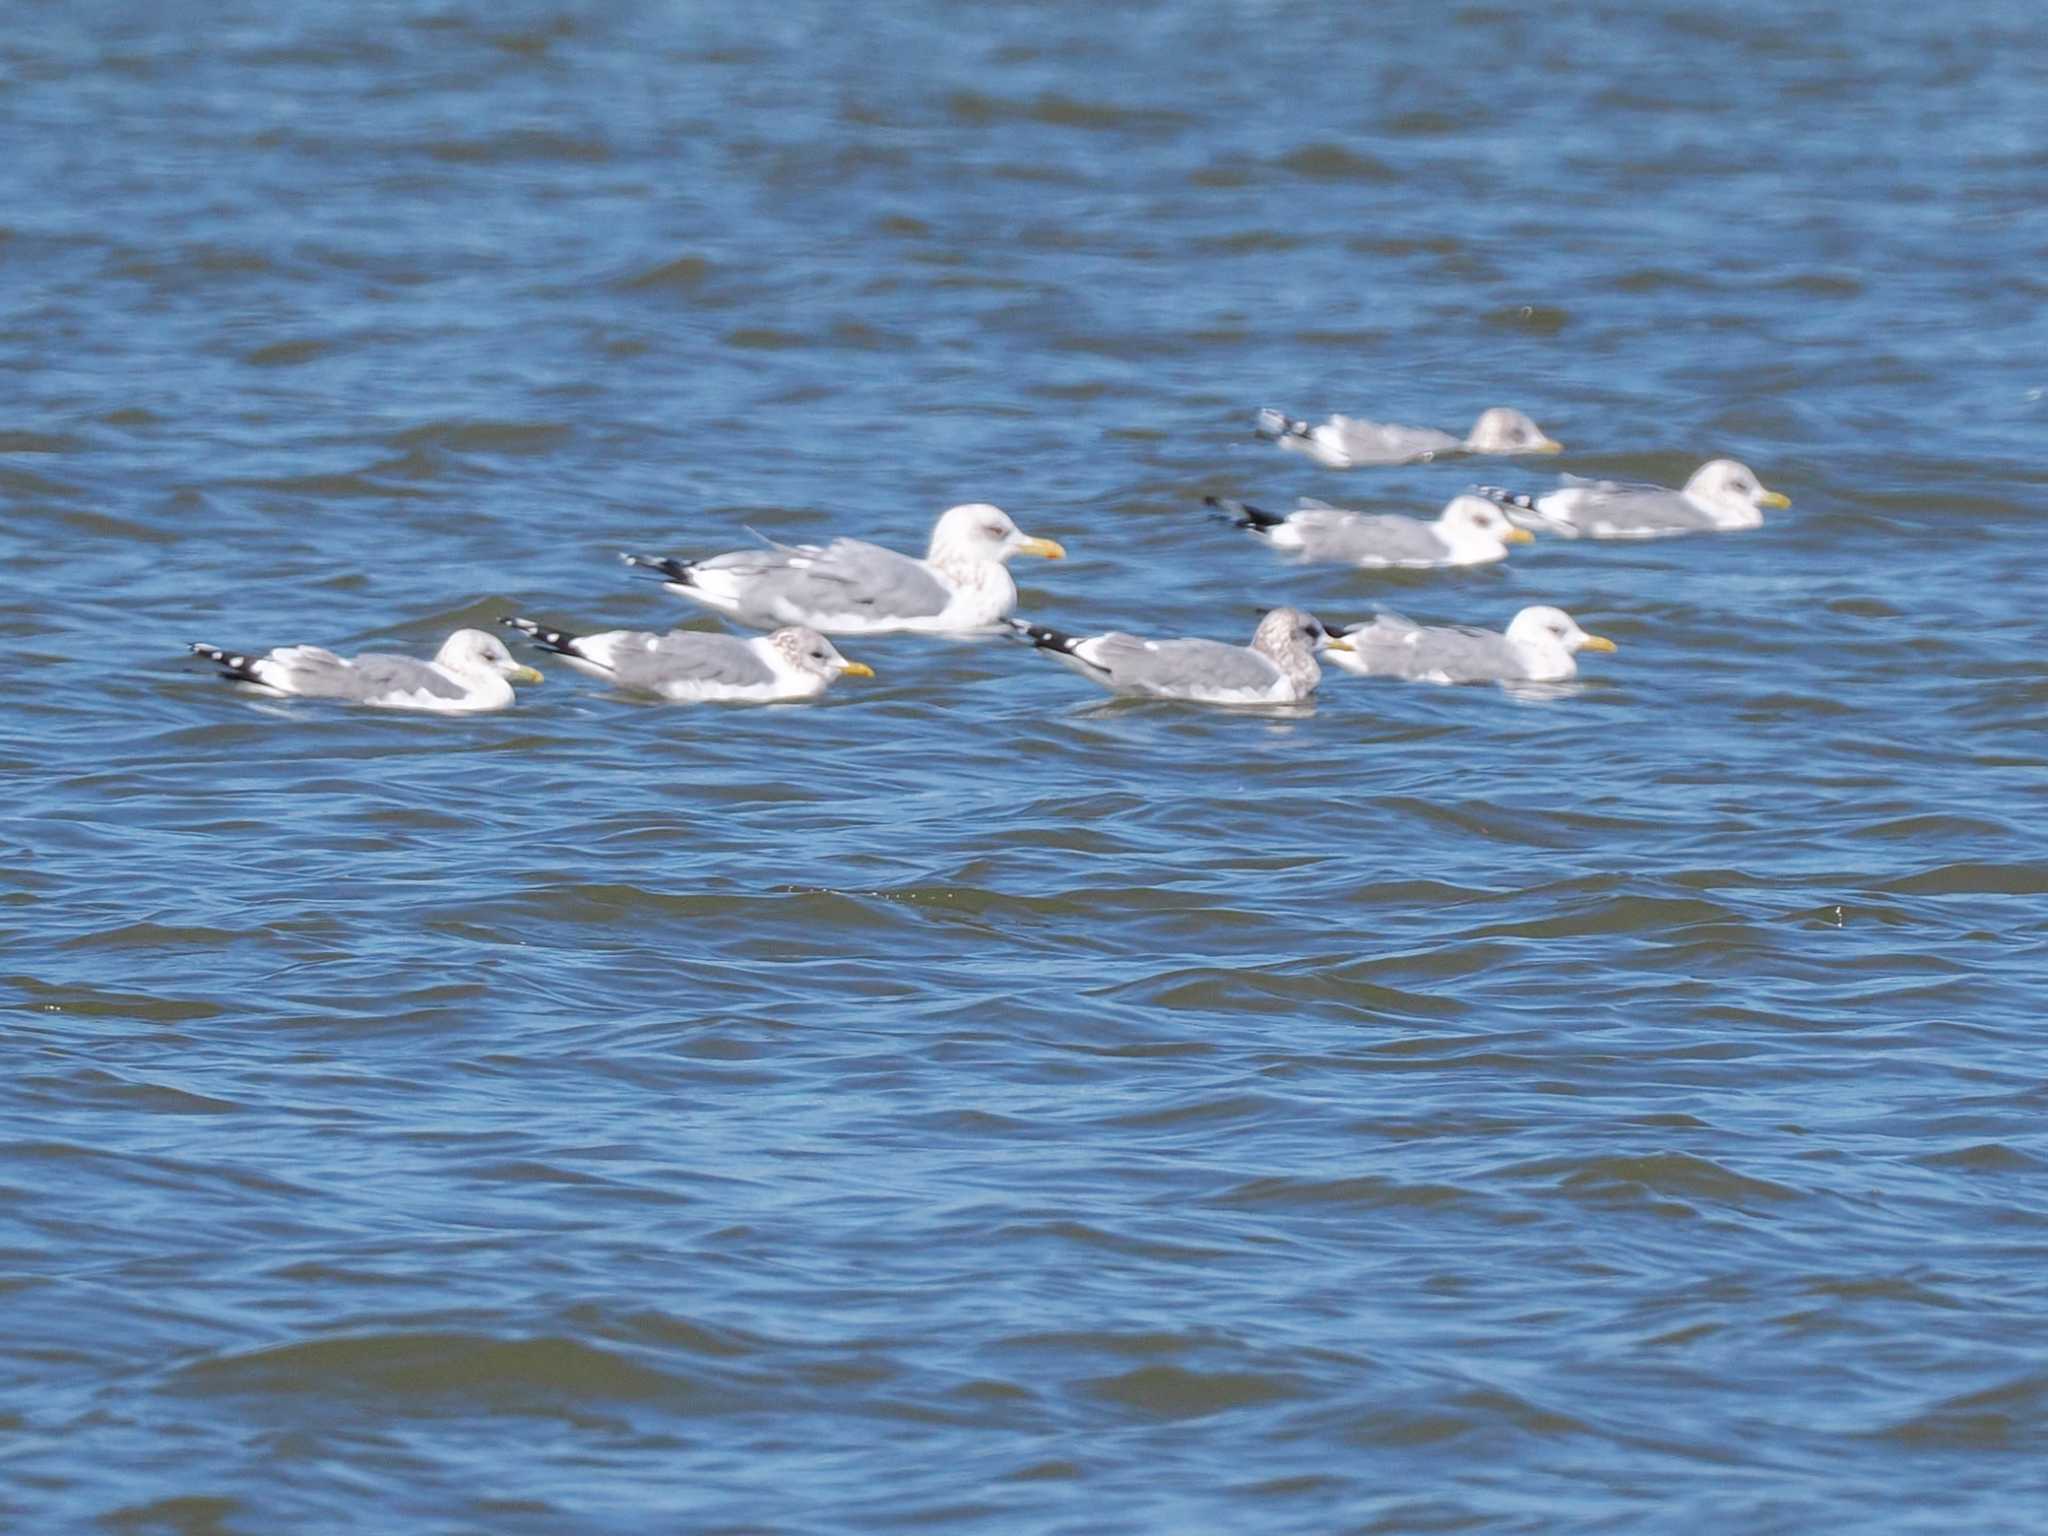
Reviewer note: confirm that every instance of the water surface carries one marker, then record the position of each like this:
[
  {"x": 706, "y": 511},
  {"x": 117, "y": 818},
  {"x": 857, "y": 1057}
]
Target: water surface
[{"x": 961, "y": 1104}]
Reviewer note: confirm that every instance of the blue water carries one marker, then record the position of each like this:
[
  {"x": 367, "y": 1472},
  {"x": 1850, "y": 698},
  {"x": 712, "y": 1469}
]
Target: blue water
[{"x": 965, "y": 1103}]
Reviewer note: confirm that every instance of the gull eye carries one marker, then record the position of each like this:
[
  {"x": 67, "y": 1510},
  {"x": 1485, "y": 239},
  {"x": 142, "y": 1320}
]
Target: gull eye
[{"x": 994, "y": 530}]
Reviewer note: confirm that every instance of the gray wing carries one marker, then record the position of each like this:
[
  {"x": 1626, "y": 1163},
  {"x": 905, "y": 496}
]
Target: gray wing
[
  {"x": 1380, "y": 442},
  {"x": 846, "y": 580},
  {"x": 1364, "y": 539},
  {"x": 1383, "y": 648},
  {"x": 652, "y": 662},
  {"x": 366, "y": 680},
  {"x": 1611, "y": 507},
  {"x": 1182, "y": 667},
  {"x": 1454, "y": 654}
]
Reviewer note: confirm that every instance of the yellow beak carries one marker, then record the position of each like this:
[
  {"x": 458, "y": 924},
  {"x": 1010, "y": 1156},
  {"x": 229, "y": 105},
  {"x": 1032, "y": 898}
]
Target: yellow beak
[
  {"x": 1549, "y": 445},
  {"x": 1045, "y": 547},
  {"x": 1775, "y": 499},
  {"x": 856, "y": 669},
  {"x": 1338, "y": 643},
  {"x": 1597, "y": 643},
  {"x": 1518, "y": 536},
  {"x": 526, "y": 675}
]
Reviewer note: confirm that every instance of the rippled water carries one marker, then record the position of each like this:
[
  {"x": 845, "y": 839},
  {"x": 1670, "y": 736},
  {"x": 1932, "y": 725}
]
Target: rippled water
[{"x": 965, "y": 1103}]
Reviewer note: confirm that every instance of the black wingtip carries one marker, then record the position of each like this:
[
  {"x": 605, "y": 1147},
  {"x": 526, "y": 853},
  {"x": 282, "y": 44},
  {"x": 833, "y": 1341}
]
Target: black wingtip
[
  {"x": 1040, "y": 636},
  {"x": 665, "y": 567},
  {"x": 1501, "y": 496},
  {"x": 231, "y": 663},
  {"x": 1242, "y": 514},
  {"x": 557, "y": 640}
]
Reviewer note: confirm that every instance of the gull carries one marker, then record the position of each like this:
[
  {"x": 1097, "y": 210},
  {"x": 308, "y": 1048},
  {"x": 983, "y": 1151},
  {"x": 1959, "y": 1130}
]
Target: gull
[
  {"x": 849, "y": 587},
  {"x": 472, "y": 671},
  {"x": 1278, "y": 667},
  {"x": 1469, "y": 531},
  {"x": 1538, "y": 647},
  {"x": 1722, "y": 495},
  {"x": 1345, "y": 442},
  {"x": 689, "y": 667}
]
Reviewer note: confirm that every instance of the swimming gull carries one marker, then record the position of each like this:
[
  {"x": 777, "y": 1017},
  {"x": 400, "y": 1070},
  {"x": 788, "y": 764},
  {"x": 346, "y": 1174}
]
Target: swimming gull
[
  {"x": 472, "y": 671},
  {"x": 1278, "y": 667},
  {"x": 1721, "y": 495},
  {"x": 691, "y": 667},
  {"x": 1346, "y": 442},
  {"x": 849, "y": 587},
  {"x": 1469, "y": 531},
  {"x": 1537, "y": 648}
]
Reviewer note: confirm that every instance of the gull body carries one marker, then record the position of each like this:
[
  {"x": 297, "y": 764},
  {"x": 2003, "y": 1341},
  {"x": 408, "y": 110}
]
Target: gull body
[
  {"x": 1470, "y": 530},
  {"x": 851, "y": 587},
  {"x": 1278, "y": 667},
  {"x": 1540, "y": 645},
  {"x": 690, "y": 666},
  {"x": 1347, "y": 442},
  {"x": 1722, "y": 496},
  {"x": 471, "y": 672}
]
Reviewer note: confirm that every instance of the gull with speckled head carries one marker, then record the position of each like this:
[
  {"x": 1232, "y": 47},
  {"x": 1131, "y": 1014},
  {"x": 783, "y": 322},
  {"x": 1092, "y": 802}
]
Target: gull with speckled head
[
  {"x": 1469, "y": 531},
  {"x": 1278, "y": 667},
  {"x": 1540, "y": 646},
  {"x": 1349, "y": 442},
  {"x": 471, "y": 672},
  {"x": 1722, "y": 496},
  {"x": 849, "y": 587},
  {"x": 693, "y": 667}
]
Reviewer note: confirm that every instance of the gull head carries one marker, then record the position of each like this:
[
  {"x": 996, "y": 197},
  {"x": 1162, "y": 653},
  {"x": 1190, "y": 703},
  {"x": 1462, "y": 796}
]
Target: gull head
[
  {"x": 1477, "y": 529},
  {"x": 1731, "y": 491},
  {"x": 474, "y": 653},
  {"x": 1290, "y": 632},
  {"x": 1552, "y": 629},
  {"x": 807, "y": 651},
  {"x": 1501, "y": 430},
  {"x": 1290, "y": 638},
  {"x": 978, "y": 532}
]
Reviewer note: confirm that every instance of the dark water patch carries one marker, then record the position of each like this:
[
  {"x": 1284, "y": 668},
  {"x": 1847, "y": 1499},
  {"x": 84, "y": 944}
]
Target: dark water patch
[
  {"x": 1251, "y": 242},
  {"x": 1659, "y": 279},
  {"x": 1970, "y": 878},
  {"x": 1261, "y": 991},
  {"x": 507, "y": 437},
  {"x": 1987, "y": 1157},
  {"x": 152, "y": 1098},
  {"x": 2007, "y": 1417},
  {"x": 345, "y": 486},
  {"x": 152, "y": 935},
  {"x": 95, "y": 1002},
  {"x": 1672, "y": 1182},
  {"x": 760, "y": 338},
  {"x": 180, "y": 1515},
  {"x": 678, "y": 275},
  {"x": 18, "y": 441},
  {"x": 1054, "y": 109},
  {"x": 1172, "y": 1392},
  {"x": 1531, "y": 319},
  {"x": 1334, "y": 162},
  {"x": 289, "y": 354},
  {"x": 26, "y": 485},
  {"x": 1364, "y": 1192},
  {"x": 520, "y": 146},
  {"x": 432, "y": 1373},
  {"x": 1426, "y": 123}
]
